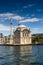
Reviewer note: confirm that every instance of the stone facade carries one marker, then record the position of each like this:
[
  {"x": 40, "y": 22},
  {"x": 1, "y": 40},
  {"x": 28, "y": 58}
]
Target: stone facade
[{"x": 22, "y": 35}]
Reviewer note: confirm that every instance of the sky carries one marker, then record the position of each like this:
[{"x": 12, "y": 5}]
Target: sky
[{"x": 29, "y": 13}]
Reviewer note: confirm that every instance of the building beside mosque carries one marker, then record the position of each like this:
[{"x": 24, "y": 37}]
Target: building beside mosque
[
  {"x": 21, "y": 36},
  {"x": 1, "y": 38}
]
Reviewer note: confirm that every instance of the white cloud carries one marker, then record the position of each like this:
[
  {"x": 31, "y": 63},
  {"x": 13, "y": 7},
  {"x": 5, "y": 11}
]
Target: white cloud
[
  {"x": 36, "y": 30},
  {"x": 4, "y": 28},
  {"x": 31, "y": 20},
  {"x": 17, "y": 17},
  {"x": 6, "y": 16},
  {"x": 30, "y": 5}
]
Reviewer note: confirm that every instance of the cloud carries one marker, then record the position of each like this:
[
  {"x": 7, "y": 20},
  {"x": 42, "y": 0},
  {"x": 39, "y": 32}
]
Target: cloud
[
  {"x": 25, "y": 7},
  {"x": 39, "y": 10},
  {"x": 4, "y": 28},
  {"x": 32, "y": 14},
  {"x": 36, "y": 30},
  {"x": 30, "y": 5},
  {"x": 18, "y": 17},
  {"x": 6, "y": 16},
  {"x": 31, "y": 20}
]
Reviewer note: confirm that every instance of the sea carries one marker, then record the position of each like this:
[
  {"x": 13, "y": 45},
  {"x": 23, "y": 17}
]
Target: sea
[{"x": 21, "y": 55}]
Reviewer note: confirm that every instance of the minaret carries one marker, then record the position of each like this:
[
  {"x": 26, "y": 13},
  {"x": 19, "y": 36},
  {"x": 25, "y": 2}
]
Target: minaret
[
  {"x": 11, "y": 38},
  {"x": 18, "y": 21},
  {"x": 11, "y": 26}
]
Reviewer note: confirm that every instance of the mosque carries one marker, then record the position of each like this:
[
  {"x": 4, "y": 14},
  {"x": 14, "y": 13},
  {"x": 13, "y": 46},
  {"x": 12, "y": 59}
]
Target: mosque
[{"x": 21, "y": 35}]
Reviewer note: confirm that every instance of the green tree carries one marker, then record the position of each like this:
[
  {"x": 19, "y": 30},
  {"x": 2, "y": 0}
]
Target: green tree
[{"x": 36, "y": 38}]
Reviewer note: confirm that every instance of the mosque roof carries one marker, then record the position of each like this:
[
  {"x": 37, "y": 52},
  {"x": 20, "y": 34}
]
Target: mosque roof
[{"x": 22, "y": 26}]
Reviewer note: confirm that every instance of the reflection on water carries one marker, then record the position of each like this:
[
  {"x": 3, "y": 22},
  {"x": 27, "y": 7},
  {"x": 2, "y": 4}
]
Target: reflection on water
[{"x": 21, "y": 55}]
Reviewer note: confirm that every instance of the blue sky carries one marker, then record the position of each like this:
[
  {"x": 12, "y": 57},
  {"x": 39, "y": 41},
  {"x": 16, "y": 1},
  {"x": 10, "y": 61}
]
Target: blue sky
[{"x": 30, "y": 13}]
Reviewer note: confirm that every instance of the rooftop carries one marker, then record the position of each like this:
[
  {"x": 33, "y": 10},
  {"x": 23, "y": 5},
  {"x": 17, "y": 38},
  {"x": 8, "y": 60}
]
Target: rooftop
[{"x": 22, "y": 26}]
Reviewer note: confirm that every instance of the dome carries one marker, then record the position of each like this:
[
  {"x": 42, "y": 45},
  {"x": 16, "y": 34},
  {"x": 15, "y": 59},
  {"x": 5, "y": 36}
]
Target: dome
[{"x": 22, "y": 26}]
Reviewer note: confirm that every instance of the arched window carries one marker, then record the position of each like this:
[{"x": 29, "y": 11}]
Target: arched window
[{"x": 25, "y": 33}]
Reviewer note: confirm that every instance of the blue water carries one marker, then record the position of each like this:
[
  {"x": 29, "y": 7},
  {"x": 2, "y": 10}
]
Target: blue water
[{"x": 21, "y": 55}]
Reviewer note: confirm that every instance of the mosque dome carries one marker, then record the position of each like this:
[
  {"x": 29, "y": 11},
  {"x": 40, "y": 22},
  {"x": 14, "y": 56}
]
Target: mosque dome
[{"x": 22, "y": 26}]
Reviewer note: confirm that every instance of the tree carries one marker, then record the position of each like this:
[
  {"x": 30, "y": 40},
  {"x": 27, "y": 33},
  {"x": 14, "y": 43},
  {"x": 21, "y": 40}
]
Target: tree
[{"x": 36, "y": 38}]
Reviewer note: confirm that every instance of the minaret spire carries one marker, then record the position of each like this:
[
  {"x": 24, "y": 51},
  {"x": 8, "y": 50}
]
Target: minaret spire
[
  {"x": 18, "y": 21},
  {"x": 11, "y": 38},
  {"x": 11, "y": 26}
]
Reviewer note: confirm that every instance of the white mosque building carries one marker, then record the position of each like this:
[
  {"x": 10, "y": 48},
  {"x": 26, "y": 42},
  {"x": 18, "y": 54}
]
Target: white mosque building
[{"x": 22, "y": 35}]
